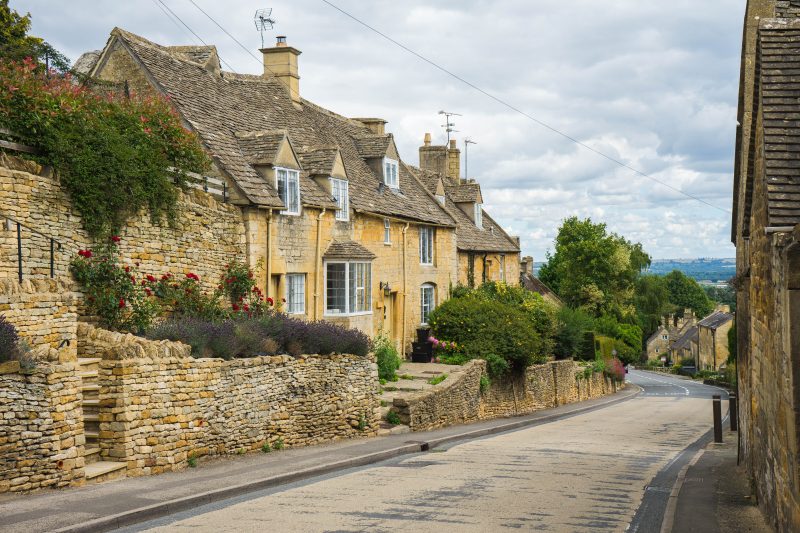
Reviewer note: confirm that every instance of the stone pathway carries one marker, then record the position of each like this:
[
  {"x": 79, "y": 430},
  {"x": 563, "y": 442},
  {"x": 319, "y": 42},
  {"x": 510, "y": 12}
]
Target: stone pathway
[{"x": 414, "y": 377}]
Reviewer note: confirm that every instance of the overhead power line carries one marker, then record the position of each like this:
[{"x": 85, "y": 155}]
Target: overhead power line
[
  {"x": 520, "y": 111},
  {"x": 192, "y": 31}
]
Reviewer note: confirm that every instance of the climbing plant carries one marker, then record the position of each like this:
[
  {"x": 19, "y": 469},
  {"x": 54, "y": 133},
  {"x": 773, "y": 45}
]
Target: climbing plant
[{"x": 112, "y": 152}]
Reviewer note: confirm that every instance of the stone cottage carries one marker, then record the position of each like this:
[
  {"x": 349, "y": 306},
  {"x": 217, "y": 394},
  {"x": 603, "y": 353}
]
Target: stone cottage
[
  {"x": 712, "y": 340},
  {"x": 672, "y": 328},
  {"x": 686, "y": 347},
  {"x": 344, "y": 229},
  {"x": 766, "y": 232}
]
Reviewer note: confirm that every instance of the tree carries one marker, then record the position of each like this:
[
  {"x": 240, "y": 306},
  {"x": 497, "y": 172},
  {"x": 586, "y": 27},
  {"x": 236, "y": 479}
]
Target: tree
[
  {"x": 594, "y": 269},
  {"x": 652, "y": 302},
  {"x": 571, "y": 328},
  {"x": 686, "y": 293},
  {"x": 16, "y": 44}
]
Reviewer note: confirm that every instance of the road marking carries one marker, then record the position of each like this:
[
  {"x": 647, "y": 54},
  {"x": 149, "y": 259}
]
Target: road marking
[{"x": 668, "y": 383}]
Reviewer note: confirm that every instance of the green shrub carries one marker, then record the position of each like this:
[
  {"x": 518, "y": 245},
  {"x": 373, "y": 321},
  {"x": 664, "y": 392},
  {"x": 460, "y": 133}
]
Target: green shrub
[
  {"x": 266, "y": 448},
  {"x": 571, "y": 328},
  {"x": 278, "y": 444},
  {"x": 507, "y": 337},
  {"x": 485, "y": 383},
  {"x": 437, "y": 379},
  {"x": 388, "y": 358},
  {"x": 687, "y": 361},
  {"x": 393, "y": 418}
]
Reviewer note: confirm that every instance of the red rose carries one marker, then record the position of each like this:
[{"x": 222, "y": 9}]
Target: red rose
[
  {"x": 127, "y": 268},
  {"x": 270, "y": 301},
  {"x": 121, "y": 303},
  {"x": 148, "y": 292},
  {"x": 85, "y": 253},
  {"x": 235, "y": 307},
  {"x": 151, "y": 278},
  {"x": 115, "y": 238},
  {"x": 246, "y": 308}
]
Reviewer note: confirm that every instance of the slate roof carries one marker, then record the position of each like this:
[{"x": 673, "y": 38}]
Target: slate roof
[
  {"x": 779, "y": 85},
  {"x": 660, "y": 331},
  {"x": 218, "y": 106},
  {"x": 347, "y": 250},
  {"x": 534, "y": 284},
  {"x": 260, "y": 147},
  {"x": 87, "y": 61},
  {"x": 319, "y": 161},
  {"x": 470, "y": 238},
  {"x": 787, "y": 9},
  {"x": 715, "y": 320},
  {"x": 685, "y": 340},
  {"x": 464, "y": 192},
  {"x": 372, "y": 146}
]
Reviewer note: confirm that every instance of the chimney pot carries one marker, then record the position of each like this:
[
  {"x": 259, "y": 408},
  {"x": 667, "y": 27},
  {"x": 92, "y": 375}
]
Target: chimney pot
[
  {"x": 452, "y": 144},
  {"x": 280, "y": 40},
  {"x": 427, "y": 141}
]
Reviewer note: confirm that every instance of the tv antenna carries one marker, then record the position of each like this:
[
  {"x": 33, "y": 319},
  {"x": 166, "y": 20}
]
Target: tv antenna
[
  {"x": 264, "y": 22},
  {"x": 449, "y": 126},
  {"x": 467, "y": 142}
]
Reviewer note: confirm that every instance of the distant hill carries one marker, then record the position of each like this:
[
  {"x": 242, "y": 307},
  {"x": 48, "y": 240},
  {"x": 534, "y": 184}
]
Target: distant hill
[{"x": 704, "y": 270}]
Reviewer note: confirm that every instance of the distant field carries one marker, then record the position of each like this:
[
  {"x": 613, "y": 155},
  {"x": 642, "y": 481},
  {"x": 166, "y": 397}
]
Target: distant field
[{"x": 712, "y": 271}]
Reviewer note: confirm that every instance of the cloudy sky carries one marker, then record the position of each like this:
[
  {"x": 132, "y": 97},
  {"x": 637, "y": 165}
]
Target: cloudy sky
[{"x": 649, "y": 82}]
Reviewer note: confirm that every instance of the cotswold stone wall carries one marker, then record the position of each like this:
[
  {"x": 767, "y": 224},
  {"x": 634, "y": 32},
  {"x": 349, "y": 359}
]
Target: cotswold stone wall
[
  {"x": 44, "y": 313},
  {"x": 159, "y": 407},
  {"x": 41, "y": 429},
  {"x": 206, "y": 235},
  {"x": 458, "y": 399}
]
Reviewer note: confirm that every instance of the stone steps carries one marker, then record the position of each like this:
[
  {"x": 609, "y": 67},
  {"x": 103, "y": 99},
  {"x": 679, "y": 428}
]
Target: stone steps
[
  {"x": 89, "y": 369},
  {"x": 100, "y": 471},
  {"x": 91, "y": 454}
]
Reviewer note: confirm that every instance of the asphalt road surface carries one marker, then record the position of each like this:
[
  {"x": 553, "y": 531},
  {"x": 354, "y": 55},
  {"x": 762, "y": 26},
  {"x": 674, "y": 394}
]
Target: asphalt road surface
[{"x": 606, "y": 470}]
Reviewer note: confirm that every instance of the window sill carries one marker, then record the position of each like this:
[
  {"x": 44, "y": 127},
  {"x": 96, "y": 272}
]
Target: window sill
[
  {"x": 287, "y": 213},
  {"x": 345, "y": 315}
]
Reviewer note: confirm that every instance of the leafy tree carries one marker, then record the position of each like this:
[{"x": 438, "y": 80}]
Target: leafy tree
[
  {"x": 16, "y": 44},
  {"x": 684, "y": 292},
  {"x": 594, "y": 269},
  {"x": 724, "y": 295},
  {"x": 652, "y": 302},
  {"x": 571, "y": 328}
]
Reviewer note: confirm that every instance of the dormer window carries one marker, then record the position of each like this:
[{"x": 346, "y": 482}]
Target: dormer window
[
  {"x": 479, "y": 215},
  {"x": 440, "y": 198},
  {"x": 339, "y": 191},
  {"x": 390, "y": 174},
  {"x": 288, "y": 185}
]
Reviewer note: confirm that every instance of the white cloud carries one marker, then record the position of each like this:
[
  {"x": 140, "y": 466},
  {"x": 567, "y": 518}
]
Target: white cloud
[{"x": 651, "y": 83}]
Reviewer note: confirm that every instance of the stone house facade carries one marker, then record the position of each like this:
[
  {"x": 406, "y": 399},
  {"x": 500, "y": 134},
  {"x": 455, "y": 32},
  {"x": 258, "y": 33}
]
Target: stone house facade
[
  {"x": 672, "y": 328},
  {"x": 766, "y": 232},
  {"x": 712, "y": 341},
  {"x": 340, "y": 227}
]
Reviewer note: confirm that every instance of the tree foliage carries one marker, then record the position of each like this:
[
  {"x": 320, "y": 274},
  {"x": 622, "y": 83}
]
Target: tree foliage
[
  {"x": 16, "y": 44},
  {"x": 686, "y": 293},
  {"x": 652, "y": 302},
  {"x": 594, "y": 269}
]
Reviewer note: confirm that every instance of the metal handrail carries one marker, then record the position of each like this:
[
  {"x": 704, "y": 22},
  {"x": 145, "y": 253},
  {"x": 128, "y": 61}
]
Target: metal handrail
[{"x": 53, "y": 242}]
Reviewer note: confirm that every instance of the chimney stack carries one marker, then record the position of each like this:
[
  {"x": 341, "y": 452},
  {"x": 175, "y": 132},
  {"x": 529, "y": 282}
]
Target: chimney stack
[
  {"x": 375, "y": 125},
  {"x": 433, "y": 158},
  {"x": 453, "y": 161},
  {"x": 281, "y": 61},
  {"x": 526, "y": 265}
]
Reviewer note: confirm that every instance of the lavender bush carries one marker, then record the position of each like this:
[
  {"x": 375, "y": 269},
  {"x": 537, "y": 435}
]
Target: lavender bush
[
  {"x": 270, "y": 334},
  {"x": 9, "y": 341}
]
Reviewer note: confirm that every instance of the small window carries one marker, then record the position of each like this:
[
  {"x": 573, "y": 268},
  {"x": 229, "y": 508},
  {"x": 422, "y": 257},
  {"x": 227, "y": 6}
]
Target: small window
[
  {"x": 288, "y": 184},
  {"x": 340, "y": 192},
  {"x": 440, "y": 198},
  {"x": 387, "y": 231},
  {"x": 348, "y": 288},
  {"x": 427, "y": 299},
  {"x": 479, "y": 215},
  {"x": 426, "y": 237},
  {"x": 502, "y": 267},
  {"x": 390, "y": 177},
  {"x": 296, "y": 294}
]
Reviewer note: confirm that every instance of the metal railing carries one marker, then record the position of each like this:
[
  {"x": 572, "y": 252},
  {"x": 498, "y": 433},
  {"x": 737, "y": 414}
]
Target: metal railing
[{"x": 54, "y": 244}]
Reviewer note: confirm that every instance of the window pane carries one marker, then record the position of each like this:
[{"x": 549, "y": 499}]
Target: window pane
[
  {"x": 351, "y": 297},
  {"x": 336, "y": 289},
  {"x": 282, "y": 186},
  {"x": 296, "y": 293},
  {"x": 294, "y": 192}
]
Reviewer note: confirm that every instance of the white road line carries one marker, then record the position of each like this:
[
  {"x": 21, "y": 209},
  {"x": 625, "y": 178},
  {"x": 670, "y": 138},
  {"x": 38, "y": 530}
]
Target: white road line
[{"x": 668, "y": 383}]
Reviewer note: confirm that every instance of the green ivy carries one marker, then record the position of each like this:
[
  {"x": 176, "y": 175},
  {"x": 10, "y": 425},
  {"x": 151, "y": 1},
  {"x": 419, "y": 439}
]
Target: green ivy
[{"x": 112, "y": 153}]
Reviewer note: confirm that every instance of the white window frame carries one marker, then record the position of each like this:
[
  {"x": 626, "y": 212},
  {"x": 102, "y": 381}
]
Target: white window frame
[
  {"x": 391, "y": 173},
  {"x": 365, "y": 289},
  {"x": 503, "y": 267},
  {"x": 291, "y": 175},
  {"x": 342, "y": 198},
  {"x": 427, "y": 244},
  {"x": 387, "y": 231},
  {"x": 479, "y": 216},
  {"x": 292, "y": 281},
  {"x": 440, "y": 198},
  {"x": 425, "y": 308}
]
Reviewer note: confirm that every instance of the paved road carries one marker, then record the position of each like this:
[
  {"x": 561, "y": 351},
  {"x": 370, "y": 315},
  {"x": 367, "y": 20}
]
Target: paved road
[{"x": 585, "y": 473}]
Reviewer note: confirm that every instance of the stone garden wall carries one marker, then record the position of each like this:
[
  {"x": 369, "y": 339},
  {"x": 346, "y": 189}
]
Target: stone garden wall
[
  {"x": 159, "y": 407},
  {"x": 206, "y": 235},
  {"x": 44, "y": 313},
  {"x": 41, "y": 429},
  {"x": 458, "y": 399}
]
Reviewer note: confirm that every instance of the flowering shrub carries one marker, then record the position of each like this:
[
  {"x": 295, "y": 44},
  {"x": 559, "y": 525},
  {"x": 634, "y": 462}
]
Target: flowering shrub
[
  {"x": 183, "y": 296},
  {"x": 112, "y": 291},
  {"x": 112, "y": 153},
  {"x": 614, "y": 369},
  {"x": 9, "y": 341},
  {"x": 269, "y": 334}
]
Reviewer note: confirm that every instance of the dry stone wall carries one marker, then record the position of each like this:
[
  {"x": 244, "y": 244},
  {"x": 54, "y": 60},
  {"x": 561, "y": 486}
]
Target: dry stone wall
[
  {"x": 159, "y": 407},
  {"x": 44, "y": 313},
  {"x": 207, "y": 234},
  {"x": 458, "y": 399},
  {"x": 41, "y": 429}
]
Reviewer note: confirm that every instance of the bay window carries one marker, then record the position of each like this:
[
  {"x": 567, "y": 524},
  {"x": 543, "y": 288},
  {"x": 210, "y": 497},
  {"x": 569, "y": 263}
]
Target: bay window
[{"x": 348, "y": 287}]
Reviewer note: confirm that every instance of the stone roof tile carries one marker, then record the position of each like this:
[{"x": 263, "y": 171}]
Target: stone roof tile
[
  {"x": 347, "y": 250},
  {"x": 715, "y": 320}
]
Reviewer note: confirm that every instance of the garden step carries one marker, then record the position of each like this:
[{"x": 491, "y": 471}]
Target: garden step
[
  {"x": 104, "y": 470},
  {"x": 91, "y": 454},
  {"x": 91, "y": 435},
  {"x": 89, "y": 363},
  {"x": 91, "y": 417},
  {"x": 388, "y": 429}
]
